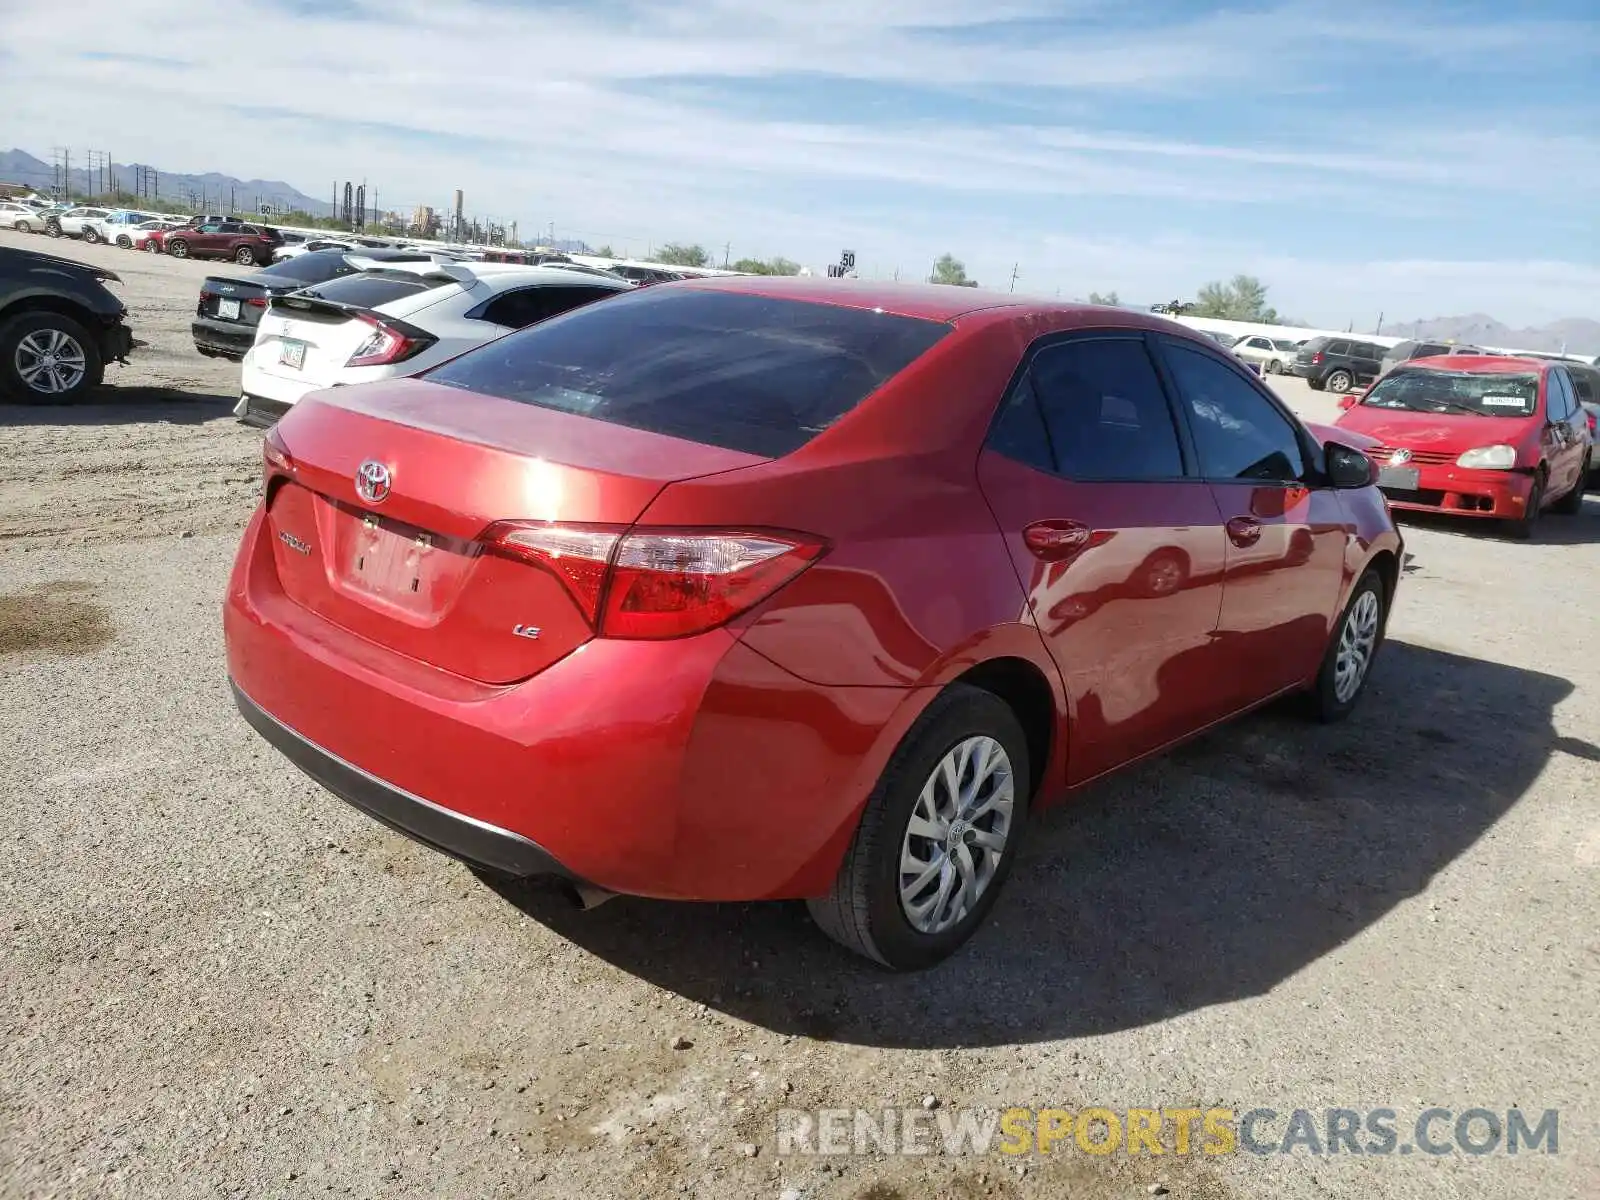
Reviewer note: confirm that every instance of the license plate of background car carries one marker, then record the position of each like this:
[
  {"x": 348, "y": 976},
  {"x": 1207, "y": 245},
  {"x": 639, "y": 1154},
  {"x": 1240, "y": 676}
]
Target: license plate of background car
[
  {"x": 228, "y": 310},
  {"x": 1402, "y": 479},
  {"x": 292, "y": 354}
]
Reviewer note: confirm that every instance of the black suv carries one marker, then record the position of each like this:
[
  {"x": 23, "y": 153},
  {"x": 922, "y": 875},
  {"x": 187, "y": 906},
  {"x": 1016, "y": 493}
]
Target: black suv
[
  {"x": 59, "y": 326},
  {"x": 1406, "y": 351},
  {"x": 1338, "y": 363}
]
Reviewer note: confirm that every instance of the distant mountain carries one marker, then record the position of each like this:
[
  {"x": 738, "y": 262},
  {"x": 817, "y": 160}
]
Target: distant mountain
[
  {"x": 210, "y": 190},
  {"x": 1573, "y": 335}
]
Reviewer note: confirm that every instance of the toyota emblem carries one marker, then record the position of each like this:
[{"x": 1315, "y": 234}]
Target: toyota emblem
[
  {"x": 373, "y": 481},
  {"x": 1398, "y": 459}
]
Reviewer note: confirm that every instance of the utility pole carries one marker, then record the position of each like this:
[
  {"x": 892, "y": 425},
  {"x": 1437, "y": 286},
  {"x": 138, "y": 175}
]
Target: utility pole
[
  {"x": 1379, "y": 329},
  {"x": 1015, "y": 267},
  {"x": 727, "y": 247}
]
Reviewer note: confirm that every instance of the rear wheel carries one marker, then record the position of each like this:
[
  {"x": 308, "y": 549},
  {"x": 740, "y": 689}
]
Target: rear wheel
[
  {"x": 1522, "y": 528},
  {"x": 1572, "y": 503},
  {"x": 937, "y": 837},
  {"x": 1274, "y": 367},
  {"x": 178, "y": 248},
  {"x": 245, "y": 256},
  {"x": 46, "y": 358},
  {"x": 91, "y": 234},
  {"x": 1339, "y": 381},
  {"x": 1354, "y": 644},
  {"x": 24, "y": 227},
  {"x": 124, "y": 241}
]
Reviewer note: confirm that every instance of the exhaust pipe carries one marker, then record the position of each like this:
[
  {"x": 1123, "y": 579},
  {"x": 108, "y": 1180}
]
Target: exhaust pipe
[{"x": 586, "y": 896}]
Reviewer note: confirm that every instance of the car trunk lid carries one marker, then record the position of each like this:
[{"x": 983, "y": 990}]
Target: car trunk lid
[
  {"x": 410, "y": 570},
  {"x": 237, "y": 301}
]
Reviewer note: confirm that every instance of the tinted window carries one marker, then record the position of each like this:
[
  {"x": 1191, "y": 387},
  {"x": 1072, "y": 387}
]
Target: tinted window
[
  {"x": 1559, "y": 402},
  {"x": 318, "y": 266},
  {"x": 743, "y": 372},
  {"x": 1238, "y": 432},
  {"x": 1104, "y": 411},
  {"x": 1430, "y": 350},
  {"x": 528, "y": 305},
  {"x": 1338, "y": 348},
  {"x": 1019, "y": 431},
  {"x": 1313, "y": 346},
  {"x": 372, "y": 289},
  {"x": 1583, "y": 385}
]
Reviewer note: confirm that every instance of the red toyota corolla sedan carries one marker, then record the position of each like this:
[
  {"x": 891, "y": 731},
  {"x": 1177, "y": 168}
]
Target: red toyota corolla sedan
[
  {"x": 1477, "y": 436},
  {"x": 763, "y": 588}
]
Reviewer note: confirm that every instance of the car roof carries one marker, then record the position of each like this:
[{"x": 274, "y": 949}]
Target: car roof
[
  {"x": 1477, "y": 364},
  {"x": 499, "y": 274}
]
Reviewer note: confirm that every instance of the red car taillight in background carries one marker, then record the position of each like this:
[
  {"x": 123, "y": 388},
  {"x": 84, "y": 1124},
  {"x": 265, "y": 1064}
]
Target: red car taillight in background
[
  {"x": 1589, "y": 416},
  {"x": 659, "y": 583},
  {"x": 1316, "y": 358},
  {"x": 390, "y": 342}
]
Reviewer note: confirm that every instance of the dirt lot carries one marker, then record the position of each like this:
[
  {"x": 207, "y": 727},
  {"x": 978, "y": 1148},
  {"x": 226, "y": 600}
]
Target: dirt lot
[{"x": 217, "y": 980}]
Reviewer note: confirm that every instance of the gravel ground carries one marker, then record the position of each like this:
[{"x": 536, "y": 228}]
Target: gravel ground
[{"x": 217, "y": 980}]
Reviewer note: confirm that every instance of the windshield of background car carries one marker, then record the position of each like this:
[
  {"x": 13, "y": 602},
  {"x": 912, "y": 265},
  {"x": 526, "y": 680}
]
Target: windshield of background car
[
  {"x": 746, "y": 373},
  {"x": 1496, "y": 394}
]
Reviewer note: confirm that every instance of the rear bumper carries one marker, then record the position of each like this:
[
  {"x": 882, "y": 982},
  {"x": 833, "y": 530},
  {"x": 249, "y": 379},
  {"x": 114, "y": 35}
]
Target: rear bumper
[
  {"x": 255, "y": 382},
  {"x": 690, "y": 770},
  {"x": 1460, "y": 491},
  {"x": 259, "y": 411},
  {"x": 222, "y": 337},
  {"x": 476, "y": 843}
]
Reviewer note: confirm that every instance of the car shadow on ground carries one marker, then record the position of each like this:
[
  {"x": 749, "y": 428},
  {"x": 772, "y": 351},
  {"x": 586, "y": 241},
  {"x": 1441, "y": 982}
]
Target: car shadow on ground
[
  {"x": 124, "y": 406},
  {"x": 1209, "y": 875}
]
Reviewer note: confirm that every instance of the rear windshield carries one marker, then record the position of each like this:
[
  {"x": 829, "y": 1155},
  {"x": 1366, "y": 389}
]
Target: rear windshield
[
  {"x": 371, "y": 288},
  {"x": 1497, "y": 394},
  {"x": 1312, "y": 345},
  {"x": 741, "y": 372},
  {"x": 313, "y": 267}
]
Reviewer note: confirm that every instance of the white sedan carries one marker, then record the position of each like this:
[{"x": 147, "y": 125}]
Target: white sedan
[
  {"x": 394, "y": 319},
  {"x": 1273, "y": 355}
]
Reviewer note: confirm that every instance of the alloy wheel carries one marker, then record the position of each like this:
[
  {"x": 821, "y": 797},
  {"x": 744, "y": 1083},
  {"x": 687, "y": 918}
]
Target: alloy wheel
[
  {"x": 1357, "y": 641},
  {"x": 956, "y": 837},
  {"x": 50, "y": 361}
]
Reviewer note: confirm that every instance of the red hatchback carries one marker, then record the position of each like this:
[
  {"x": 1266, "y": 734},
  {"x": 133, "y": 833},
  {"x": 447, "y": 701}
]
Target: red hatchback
[
  {"x": 1477, "y": 436},
  {"x": 766, "y": 588}
]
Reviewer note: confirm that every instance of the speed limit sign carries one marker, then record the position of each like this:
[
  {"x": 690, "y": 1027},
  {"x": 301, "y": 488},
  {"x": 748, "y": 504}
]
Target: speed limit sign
[{"x": 847, "y": 260}]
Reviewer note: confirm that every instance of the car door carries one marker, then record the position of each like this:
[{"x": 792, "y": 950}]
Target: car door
[
  {"x": 1566, "y": 432},
  {"x": 1116, "y": 541},
  {"x": 1285, "y": 532}
]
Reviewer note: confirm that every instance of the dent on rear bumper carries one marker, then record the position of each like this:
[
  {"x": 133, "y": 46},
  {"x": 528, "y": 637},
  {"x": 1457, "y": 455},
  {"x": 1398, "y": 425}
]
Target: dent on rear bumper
[{"x": 694, "y": 769}]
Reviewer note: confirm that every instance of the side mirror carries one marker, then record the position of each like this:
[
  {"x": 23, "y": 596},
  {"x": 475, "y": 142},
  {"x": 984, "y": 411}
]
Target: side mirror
[
  {"x": 1348, "y": 468},
  {"x": 1348, "y": 401}
]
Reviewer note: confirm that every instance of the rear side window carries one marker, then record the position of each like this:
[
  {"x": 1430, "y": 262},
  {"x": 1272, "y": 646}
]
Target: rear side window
[
  {"x": 1338, "y": 347},
  {"x": 1315, "y": 345},
  {"x": 742, "y": 372},
  {"x": 318, "y": 266},
  {"x": 371, "y": 288},
  {"x": 525, "y": 306},
  {"x": 1105, "y": 412}
]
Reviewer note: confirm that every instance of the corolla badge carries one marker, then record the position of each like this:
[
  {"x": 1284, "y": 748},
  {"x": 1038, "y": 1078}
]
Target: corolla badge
[
  {"x": 373, "y": 481},
  {"x": 1399, "y": 458}
]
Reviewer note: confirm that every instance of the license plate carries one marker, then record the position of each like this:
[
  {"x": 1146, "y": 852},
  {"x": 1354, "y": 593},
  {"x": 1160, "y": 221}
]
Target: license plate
[
  {"x": 228, "y": 310},
  {"x": 1402, "y": 479},
  {"x": 292, "y": 354}
]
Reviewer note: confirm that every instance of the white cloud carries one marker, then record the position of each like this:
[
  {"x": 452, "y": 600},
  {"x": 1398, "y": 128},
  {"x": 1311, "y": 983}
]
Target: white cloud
[{"x": 549, "y": 115}]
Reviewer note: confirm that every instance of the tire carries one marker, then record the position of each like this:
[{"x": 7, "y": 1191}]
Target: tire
[
  {"x": 245, "y": 256},
  {"x": 1358, "y": 633},
  {"x": 91, "y": 235},
  {"x": 178, "y": 248},
  {"x": 864, "y": 911},
  {"x": 1316, "y": 385},
  {"x": 1339, "y": 380},
  {"x": 24, "y": 227},
  {"x": 1571, "y": 504},
  {"x": 23, "y": 342},
  {"x": 151, "y": 247},
  {"x": 1522, "y": 528},
  {"x": 1274, "y": 367},
  {"x": 124, "y": 241},
  {"x": 53, "y": 228}
]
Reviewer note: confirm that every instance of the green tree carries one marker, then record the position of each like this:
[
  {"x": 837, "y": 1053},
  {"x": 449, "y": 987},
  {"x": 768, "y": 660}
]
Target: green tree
[
  {"x": 767, "y": 266},
  {"x": 1243, "y": 298},
  {"x": 950, "y": 269},
  {"x": 676, "y": 255},
  {"x": 1109, "y": 298},
  {"x": 605, "y": 252}
]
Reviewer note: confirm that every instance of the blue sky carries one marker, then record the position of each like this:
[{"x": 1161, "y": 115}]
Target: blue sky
[{"x": 1413, "y": 159}]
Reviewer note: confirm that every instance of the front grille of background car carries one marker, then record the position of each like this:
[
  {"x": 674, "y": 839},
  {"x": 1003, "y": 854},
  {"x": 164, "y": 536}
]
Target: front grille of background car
[{"x": 1423, "y": 458}]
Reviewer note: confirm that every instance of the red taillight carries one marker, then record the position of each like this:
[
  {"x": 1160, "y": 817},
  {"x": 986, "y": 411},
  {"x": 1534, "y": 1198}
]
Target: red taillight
[
  {"x": 256, "y": 301},
  {"x": 388, "y": 344},
  {"x": 1590, "y": 417},
  {"x": 659, "y": 583},
  {"x": 1316, "y": 358},
  {"x": 275, "y": 455}
]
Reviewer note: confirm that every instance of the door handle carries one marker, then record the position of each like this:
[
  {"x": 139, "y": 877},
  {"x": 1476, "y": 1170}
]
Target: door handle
[
  {"x": 1055, "y": 540},
  {"x": 1244, "y": 531}
]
